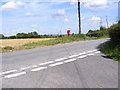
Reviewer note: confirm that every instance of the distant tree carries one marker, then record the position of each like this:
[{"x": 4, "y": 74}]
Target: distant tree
[
  {"x": 90, "y": 31},
  {"x": 103, "y": 28},
  {"x": 1, "y": 36},
  {"x": 119, "y": 21},
  {"x": 21, "y": 35},
  {"x": 34, "y": 33}
]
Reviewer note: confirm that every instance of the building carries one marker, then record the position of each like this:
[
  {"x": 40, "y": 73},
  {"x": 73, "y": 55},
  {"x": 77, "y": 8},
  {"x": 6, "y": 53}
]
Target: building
[{"x": 118, "y": 10}]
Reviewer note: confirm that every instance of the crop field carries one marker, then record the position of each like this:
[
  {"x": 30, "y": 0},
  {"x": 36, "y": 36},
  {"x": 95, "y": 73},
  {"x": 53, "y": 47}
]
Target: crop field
[{"x": 19, "y": 42}]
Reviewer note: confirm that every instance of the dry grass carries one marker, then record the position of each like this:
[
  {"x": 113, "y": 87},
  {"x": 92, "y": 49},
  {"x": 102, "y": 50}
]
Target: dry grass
[{"x": 19, "y": 42}]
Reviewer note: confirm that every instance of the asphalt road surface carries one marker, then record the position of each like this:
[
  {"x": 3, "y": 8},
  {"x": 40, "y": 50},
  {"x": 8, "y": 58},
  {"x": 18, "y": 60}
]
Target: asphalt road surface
[{"x": 71, "y": 65}]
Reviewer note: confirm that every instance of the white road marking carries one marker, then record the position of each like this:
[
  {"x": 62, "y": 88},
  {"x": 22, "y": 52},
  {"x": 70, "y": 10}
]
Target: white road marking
[
  {"x": 92, "y": 51},
  {"x": 38, "y": 69},
  {"x": 15, "y": 75},
  {"x": 59, "y": 63},
  {"x": 91, "y": 54},
  {"x": 83, "y": 56},
  {"x": 34, "y": 66},
  {"x": 71, "y": 60},
  {"x": 82, "y": 53},
  {"x": 97, "y": 52},
  {"x": 24, "y": 68},
  {"x": 73, "y": 56},
  {"x": 8, "y": 72},
  {"x": 60, "y": 59},
  {"x": 46, "y": 63}
]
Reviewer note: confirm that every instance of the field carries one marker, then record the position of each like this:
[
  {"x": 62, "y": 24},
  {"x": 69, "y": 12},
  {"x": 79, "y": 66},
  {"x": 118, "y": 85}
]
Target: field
[
  {"x": 7, "y": 45},
  {"x": 19, "y": 42}
]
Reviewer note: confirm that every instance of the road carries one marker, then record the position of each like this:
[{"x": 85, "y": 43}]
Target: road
[{"x": 71, "y": 65}]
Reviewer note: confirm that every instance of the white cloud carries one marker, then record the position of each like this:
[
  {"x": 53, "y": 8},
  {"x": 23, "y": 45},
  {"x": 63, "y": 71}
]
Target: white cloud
[
  {"x": 60, "y": 15},
  {"x": 12, "y": 5},
  {"x": 28, "y": 14},
  {"x": 66, "y": 20},
  {"x": 34, "y": 25},
  {"x": 93, "y": 4},
  {"x": 95, "y": 18}
]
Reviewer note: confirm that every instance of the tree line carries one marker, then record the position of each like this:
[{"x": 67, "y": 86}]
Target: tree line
[
  {"x": 29, "y": 35},
  {"x": 91, "y": 33}
]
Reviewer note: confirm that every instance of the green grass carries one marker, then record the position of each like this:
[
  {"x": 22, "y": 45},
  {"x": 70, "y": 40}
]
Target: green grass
[
  {"x": 112, "y": 50},
  {"x": 60, "y": 40},
  {"x": 66, "y": 39}
]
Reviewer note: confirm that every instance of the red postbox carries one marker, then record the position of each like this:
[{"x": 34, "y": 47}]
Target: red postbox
[{"x": 68, "y": 32}]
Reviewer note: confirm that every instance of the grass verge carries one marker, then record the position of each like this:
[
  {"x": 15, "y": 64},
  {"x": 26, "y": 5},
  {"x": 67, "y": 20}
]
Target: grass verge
[
  {"x": 112, "y": 50},
  {"x": 65, "y": 39}
]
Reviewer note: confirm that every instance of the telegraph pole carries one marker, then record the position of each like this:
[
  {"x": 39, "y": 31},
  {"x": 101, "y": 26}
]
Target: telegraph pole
[
  {"x": 100, "y": 21},
  {"x": 79, "y": 16},
  {"x": 107, "y": 22}
]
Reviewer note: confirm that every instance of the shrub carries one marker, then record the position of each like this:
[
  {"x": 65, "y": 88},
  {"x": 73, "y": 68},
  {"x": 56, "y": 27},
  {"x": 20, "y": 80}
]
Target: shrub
[
  {"x": 8, "y": 48},
  {"x": 114, "y": 32}
]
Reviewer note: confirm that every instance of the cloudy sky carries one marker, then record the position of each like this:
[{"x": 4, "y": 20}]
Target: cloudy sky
[{"x": 53, "y": 16}]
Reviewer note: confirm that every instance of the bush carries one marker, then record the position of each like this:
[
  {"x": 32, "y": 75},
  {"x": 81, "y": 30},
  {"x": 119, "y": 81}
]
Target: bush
[
  {"x": 8, "y": 48},
  {"x": 114, "y": 32},
  {"x": 112, "y": 50},
  {"x": 97, "y": 33}
]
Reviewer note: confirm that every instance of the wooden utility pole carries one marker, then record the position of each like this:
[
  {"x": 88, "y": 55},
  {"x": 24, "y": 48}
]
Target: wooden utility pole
[
  {"x": 100, "y": 22},
  {"x": 79, "y": 16},
  {"x": 107, "y": 22}
]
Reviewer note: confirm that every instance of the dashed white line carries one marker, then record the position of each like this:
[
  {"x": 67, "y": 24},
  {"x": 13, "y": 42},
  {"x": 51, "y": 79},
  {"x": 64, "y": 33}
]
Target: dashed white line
[
  {"x": 83, "y": 56},
  {"x": 8, "y": 72},
  {"x": 38, "y": 69},
  {"x": 60, "y": 59},
  {"x": 91, "y": 54},
  {"x": 34, "y": 66},
  {"x": 51, "y": 63},
  {"x": 24, "y": 68},
  {"x": 92, "y": 51},
  {"x": 97, "y": 52},
  {"x": 71, "y": 60},
  {"x": 15, "y": 75},
  {"x": 73, "y": 56},
  {"x": 46, "y": 63},
  {"x": 82, "y": 53},
  {"x": 55, "y": 64}
]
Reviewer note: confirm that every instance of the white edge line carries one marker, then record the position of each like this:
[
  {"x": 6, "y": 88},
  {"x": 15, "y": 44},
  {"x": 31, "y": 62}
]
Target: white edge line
[{"x": 15, "y": 75}]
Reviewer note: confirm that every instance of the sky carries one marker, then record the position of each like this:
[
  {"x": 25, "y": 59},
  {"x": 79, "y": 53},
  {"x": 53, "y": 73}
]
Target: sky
[{"x": 55, "y": 17}]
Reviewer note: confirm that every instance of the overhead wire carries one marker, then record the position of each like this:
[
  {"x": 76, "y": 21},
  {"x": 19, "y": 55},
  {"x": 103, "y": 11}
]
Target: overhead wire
[{"x": 84, "y": 84}]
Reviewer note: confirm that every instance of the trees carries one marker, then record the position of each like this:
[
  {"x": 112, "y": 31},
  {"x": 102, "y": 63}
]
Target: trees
[
  {"x": 1, "y": 36},
  {"x": 98, "y": 33},
  {"x": 114, "y": 32},
  {"x": 28, "y": 35}
]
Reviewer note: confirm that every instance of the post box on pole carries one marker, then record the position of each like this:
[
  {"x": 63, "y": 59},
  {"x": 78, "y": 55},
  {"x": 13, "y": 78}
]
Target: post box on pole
[{"x": 68, "y": 32}]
